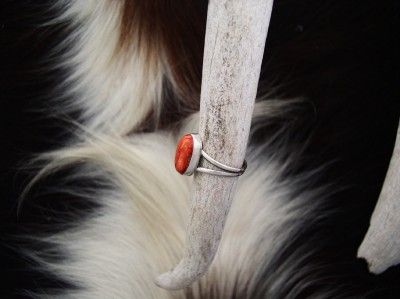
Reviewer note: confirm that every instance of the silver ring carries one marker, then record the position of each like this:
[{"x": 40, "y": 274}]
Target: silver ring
[{"x": 187, "y": 157}]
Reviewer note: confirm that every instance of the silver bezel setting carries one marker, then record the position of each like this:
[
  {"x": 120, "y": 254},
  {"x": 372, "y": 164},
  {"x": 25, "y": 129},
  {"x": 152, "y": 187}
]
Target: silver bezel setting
[{"x": 196, "y": 154}]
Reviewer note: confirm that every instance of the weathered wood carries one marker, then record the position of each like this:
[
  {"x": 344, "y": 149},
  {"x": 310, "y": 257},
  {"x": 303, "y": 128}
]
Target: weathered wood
[
  {"x": 381, "y": 245},
  {"x": 234, "y": 46}
]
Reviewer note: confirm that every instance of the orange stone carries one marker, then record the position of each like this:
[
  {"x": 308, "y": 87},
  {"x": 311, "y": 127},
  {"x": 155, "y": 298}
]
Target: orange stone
[{"x": 184, "y": 151}]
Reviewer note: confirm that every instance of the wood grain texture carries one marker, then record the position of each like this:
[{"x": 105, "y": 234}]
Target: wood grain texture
[
  {"x": 234, "y": 46},
  {"x": 381, "y": 245}
]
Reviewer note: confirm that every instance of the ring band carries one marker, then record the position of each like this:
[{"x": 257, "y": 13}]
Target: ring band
[{"x": 187, "y": 157}]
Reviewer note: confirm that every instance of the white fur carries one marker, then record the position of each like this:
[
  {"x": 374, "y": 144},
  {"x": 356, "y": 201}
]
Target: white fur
[
  {"x": 139, "y": 230},
  {"x": 114, "y": 90}
]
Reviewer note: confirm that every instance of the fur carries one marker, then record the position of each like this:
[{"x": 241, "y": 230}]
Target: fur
[
  {"x": 139, "y": 229},
  {"x": 113, "y": 90},
  {"x": 114, "y": 209}
]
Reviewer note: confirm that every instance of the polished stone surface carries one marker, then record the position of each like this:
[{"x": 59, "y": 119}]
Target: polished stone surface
[{"x": 184, "y": 151}]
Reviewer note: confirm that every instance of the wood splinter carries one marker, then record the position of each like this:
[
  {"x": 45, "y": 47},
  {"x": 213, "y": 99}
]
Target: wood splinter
[{"x": 381, "y": 244}]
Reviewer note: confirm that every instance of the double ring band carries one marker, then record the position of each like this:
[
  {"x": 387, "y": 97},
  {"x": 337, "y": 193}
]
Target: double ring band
[{"x": 187, "y": 157}]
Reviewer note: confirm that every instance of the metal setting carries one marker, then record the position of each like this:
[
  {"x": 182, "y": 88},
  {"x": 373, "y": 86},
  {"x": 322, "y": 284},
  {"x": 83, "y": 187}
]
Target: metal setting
[{"x": 198, "y": 152}]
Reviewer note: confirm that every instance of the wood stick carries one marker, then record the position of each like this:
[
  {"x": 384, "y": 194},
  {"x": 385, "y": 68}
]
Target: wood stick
[
  {"x": 234, "y": 46},
  {"x": 381, "y": 245}
]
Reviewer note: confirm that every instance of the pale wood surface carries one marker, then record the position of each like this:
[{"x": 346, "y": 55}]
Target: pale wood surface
[
  {"x": 234, "y": 46},
  {"x": 381, "y": 245}
]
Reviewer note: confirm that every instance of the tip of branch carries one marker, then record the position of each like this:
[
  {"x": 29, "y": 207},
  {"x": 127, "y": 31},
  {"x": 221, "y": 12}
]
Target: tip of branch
[
  {"x": 179, "y": 278},
  {"x": 168, "y": 282},
  {"x": 376, "y": 263}
]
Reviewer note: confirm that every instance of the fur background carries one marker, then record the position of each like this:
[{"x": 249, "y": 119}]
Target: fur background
[{"x": 340, "y": 57}]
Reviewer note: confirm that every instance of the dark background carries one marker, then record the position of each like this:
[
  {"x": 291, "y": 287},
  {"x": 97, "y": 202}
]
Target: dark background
[{"x": 340, "y": 55}]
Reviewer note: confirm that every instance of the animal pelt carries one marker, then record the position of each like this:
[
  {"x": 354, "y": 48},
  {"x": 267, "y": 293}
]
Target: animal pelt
[{"x": 95, "y": 94}]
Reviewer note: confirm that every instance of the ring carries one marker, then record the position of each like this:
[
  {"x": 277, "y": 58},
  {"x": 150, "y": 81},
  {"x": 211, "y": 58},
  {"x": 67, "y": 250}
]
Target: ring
[{"x": 189, "y": 150}]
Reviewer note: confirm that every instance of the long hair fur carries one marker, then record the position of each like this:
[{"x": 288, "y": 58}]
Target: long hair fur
[{"x": 105, "y": 212}]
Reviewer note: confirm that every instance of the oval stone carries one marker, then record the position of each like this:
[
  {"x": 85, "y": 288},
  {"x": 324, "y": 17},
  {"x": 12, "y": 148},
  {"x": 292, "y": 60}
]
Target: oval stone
[{"x": 184, "y": 151}]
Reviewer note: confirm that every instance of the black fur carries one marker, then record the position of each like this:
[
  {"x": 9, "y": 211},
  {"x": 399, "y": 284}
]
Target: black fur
[{"x": 341, "y": 56}]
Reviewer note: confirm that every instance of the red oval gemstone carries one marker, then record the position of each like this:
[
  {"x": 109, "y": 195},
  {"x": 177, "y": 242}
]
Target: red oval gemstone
[{"x": 184, "y": 151}]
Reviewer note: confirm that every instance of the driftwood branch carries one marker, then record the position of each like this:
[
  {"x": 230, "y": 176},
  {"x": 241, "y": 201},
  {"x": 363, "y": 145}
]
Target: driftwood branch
[
  {"x": 381, "y": 245},
  {"x": 234, "y": 46}
]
